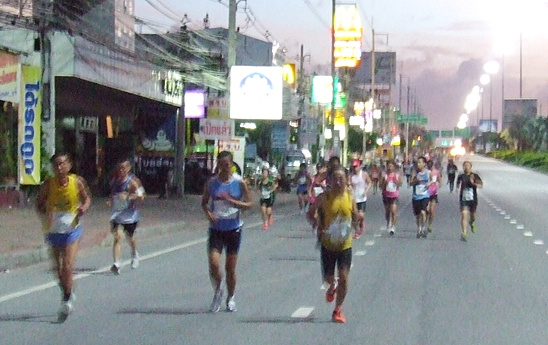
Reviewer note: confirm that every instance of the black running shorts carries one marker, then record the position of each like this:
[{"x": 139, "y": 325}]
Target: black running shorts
[
  {"x": 330, "y": 259},
  {"x": 218, "y": 240}
]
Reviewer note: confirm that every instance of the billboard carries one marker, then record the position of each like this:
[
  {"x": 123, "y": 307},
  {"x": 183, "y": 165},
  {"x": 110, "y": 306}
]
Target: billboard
[
  {"x": 9, "y": 87},
  {"x": 518, "y": 107},
  {"x": 195, "y": 104},
  {"x": 347, "y": 32},
  {"x": 30, "y": 113},
  {"x": 256, "y": 93},
  {"x": 488, "y": 126},
  {"x": 385, "y": 69}
]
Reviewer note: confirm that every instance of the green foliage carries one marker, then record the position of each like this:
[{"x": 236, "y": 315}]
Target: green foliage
[{"x": 530, "y": 159}]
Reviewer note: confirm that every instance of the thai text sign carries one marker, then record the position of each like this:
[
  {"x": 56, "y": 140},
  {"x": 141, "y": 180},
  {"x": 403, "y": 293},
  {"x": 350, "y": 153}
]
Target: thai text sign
[
  {"x": 211, "y": 129},
  {"x": 30, "y": 112},
  {"x": 9, "y": 64}
]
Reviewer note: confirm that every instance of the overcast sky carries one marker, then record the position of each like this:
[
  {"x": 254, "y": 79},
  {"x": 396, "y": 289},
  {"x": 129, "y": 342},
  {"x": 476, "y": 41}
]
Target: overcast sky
[{"x": 441, "y": 45}]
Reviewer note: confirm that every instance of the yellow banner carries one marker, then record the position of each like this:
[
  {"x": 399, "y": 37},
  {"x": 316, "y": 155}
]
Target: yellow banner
[{"x": 30, "y": 114}]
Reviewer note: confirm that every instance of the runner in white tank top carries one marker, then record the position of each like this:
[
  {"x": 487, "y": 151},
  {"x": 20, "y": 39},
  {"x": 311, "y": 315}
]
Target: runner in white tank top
[{"x": 360, "y": 183}]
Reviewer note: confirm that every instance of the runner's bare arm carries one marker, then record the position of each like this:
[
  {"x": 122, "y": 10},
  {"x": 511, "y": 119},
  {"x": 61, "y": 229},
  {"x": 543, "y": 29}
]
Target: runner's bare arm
[
  {"x": 368, "y": 181},
  {"x": 477, "y": 181},
  {"x": 205, "y": 202},
  {"x": 246, "y": 202},
  {"x": 85, "y": 195},
  {"x": 136, "y": 190}
]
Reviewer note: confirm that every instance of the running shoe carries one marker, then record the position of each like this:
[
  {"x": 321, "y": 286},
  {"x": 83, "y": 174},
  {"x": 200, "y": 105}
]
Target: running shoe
[
  {"x": 463, "y": 237},
  {"x": 115, "y": 269},
  {"x": 231, "y": 304},
  {"x": 330, "y": 293},
  {"x": 217, "y": 298},
  {"x": 271, "y": 219},
  {"x": 135, "y": 261},
  {"x": 338, "y": 316},
  {"x": 430, "y": 227},
  {"x": 391, "y": 231},
  {"x": 473, "y": 227},
  {"x": 64, "y": 312},
  {"x": 265, "y": 226}
]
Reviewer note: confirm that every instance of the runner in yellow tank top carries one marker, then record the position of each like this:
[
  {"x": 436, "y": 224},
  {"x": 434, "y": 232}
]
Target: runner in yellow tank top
[
  {"x": 337, "y": 216},
  {"x": 61, "y": 202}
]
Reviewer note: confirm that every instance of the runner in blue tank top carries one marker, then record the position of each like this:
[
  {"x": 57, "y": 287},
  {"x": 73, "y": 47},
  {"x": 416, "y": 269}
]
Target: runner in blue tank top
[
  {"x": 420, "y": 180},
  {"x": 224, "y": 196}
]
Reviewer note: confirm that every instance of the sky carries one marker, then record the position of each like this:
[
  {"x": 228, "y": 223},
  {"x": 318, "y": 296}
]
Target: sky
[{"x": 441, "y": 45}]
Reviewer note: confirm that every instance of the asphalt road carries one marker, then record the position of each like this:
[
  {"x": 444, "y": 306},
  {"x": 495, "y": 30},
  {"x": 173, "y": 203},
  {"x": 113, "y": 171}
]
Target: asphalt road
[{"x": 403, "y": 290}]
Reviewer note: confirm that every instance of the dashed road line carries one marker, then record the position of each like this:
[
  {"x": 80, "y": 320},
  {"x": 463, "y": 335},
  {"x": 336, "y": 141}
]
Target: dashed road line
[{"x": 302, "y": 312}]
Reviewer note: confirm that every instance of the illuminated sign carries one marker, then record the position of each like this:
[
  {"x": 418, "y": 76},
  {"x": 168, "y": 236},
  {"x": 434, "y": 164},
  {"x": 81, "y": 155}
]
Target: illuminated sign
[
  {"x": 194, "y": 104},
  {"x": 348, "y": 36},
  {"x": 289, "y": 73},
  {"x": 256, "y": 93},
  {"x": 322, "y": 91},
  {"x": 172, "y": 87}
]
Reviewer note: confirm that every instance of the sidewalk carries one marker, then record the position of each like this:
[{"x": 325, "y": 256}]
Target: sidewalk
[{"x": 22, "y": 242}]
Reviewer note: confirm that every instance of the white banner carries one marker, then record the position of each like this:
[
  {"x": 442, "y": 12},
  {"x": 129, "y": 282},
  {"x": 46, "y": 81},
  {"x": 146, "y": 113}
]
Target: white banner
[{"x": 211, "y": 129}]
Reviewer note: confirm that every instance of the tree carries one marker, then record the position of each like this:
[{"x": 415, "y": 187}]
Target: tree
[{"x": 517, "y": 131}]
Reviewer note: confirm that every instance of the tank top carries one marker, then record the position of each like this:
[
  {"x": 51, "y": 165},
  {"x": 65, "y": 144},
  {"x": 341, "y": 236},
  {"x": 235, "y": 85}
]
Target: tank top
[
  {"x": 420, "y": 190},
  {"x": 266, "y": 189},
  {"x": 122, "y": 211},
  {"x": 358, "y": 187},
  {"x": 62, "y": 206},
  {"x": 301, "y": 178},
  {"x": 336, "y": 218},
  {"x": 391, "y": 190},
  {"x": 228, "y": 216},
  {"x": 433, "y": 188}
]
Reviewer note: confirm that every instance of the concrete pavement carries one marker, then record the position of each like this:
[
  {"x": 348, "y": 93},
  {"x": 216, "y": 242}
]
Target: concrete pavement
[{"x": 23, "y": 244}]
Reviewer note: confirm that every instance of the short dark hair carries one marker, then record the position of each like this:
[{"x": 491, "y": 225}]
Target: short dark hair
[
  {"x": 225, "y": 154},
  {"x": 423, "y": 159},
  {"x": 123, "y": 160},
  {"x": 61, "y": 154}
]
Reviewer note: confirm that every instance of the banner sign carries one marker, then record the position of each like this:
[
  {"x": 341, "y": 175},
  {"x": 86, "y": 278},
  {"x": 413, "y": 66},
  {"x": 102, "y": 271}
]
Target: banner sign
[
  {"x": 211, "y": 129},
  {"x": 256, "y": 93},
  {"x": 348, "y": 36},
  {"x": 9, "y": 64},
  {"x": 217, "y": 108},
  {"x": 30, "y": 112}
]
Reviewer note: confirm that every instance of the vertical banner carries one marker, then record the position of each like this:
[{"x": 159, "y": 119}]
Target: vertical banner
[{"x": 30, "y": 114}]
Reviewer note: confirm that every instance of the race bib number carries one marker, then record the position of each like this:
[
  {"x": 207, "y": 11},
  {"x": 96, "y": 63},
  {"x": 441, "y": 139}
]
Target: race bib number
[
  {"x": 118, "y": 203},
  {"x": 302, "y": 180},
  {"x": 63, "y": 222},
  {"x": 468, "y": 194},
  {"x": 222, "y": 209},
  {"x": 318, "y": 191},
  {"x": 339, "y": 230},
  {"x": 421, "y": 189},
  {"x": 265, "y": 194},
  {"x": 391, "y": 187}
]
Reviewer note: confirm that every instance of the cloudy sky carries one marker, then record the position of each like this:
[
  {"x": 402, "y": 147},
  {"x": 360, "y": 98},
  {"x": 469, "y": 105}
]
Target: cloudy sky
[{"x": 441, "y": 45}]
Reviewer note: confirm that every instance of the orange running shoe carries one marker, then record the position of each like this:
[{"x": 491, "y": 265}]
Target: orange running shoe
[
  {"x": 338, "y": 316},
  {"x": 330, "y": 293},
  {"x": 265, "y": 226}
]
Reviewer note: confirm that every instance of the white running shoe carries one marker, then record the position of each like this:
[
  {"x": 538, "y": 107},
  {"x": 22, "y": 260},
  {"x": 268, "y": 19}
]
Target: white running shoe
[
  {"x": 64, "y": 312},
  {"x": 115, "y": 269},
  {"x": 391, "y": 231},
  {"x": 231, "y": 304},
  {"x": 217, "y": 298},
  {"x": 135, "y": 261}
]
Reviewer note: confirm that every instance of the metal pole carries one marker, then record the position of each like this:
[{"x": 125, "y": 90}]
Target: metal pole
[
  {"x": 180, "y": 140},
  {"x": 407, "y": 121},
  {"x": 520, "y": 64},
  {"x": 333, "y": 75},
  {"x": 502, "y": 89}
]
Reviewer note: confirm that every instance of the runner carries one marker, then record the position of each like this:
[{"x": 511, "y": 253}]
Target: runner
[
  {"x": 126, "y": 195},
  {"x": 375, "y": 174},
  {"x": 337, "y": 213},
  {"x": 361, "y": 183},
  {"x": 224, "y": 195},
  {"x": 407, "y": 170},
  {"x": 451, "y": 172},
  {"x": 266, "y": 188},
  {"x": 302, "y": 178},
  {"x": 433, "y": 192},
  {"x": 420, "y": 180},
  {"x": 468, "y": 182},
  {"x": 318, "y": 184},
  {"x": 390, "y": 185},
  {"x": 62, "y": 200}
]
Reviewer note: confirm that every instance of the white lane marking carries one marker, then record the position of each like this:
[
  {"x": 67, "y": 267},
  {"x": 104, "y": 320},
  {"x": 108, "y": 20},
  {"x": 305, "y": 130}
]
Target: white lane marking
[
  {"x": 383, "y": 228},
  {"x": 502, "y": 213},
  {"x": 360, "y": 253},
  {"x": 377, "y": 235},
  {"x": 498, "y": 209},
  {"x": 520, "y": 227},
  {"x": 100, "y": 270},
  {"x": 528, "y": 234},
  {"x": 507, "y": 217},
  {"x": 513, "y": 221},
  {"x": 302, "y": 312},
  {"x": 369, "y": 243},
  {"x": 538, "y": 242}
]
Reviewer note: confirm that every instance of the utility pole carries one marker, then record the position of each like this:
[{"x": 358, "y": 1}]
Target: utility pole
[
  {"x": 334, "y": 83},
  {"x": 232, "y": 39},
  {"x": 48, "y": 106},
  {"x": 407, "y": 121}
]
